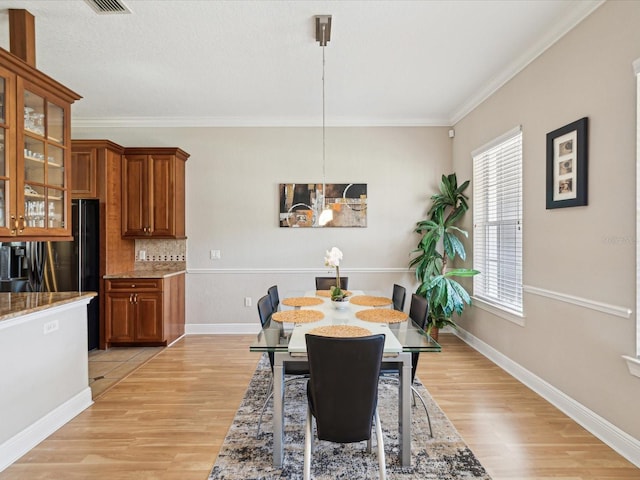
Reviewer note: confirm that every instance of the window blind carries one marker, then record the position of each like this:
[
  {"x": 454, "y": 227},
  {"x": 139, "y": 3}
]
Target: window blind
[{"x": 497, "y": 221}]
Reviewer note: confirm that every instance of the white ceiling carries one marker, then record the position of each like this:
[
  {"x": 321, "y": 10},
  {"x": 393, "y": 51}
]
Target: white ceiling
[{"x": 219, "y": 62}]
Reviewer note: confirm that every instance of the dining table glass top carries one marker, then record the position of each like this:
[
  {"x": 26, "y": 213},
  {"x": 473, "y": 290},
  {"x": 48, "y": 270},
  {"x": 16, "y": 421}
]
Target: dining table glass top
[{"x": 275, "y": 336}]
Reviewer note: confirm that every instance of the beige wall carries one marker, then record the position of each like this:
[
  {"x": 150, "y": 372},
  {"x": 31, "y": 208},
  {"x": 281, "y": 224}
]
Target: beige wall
[
  {"x": 586, "y": 252},
  {"x": 232, "y": 206}
]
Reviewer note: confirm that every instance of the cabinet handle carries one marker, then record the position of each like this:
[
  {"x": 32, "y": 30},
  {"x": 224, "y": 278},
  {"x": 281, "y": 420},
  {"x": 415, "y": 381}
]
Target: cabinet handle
[
  {"x": 131, "y": 298},
  {"x": 135, "y": 298},
  {"x": 14, "y": 221},
  {"x": 21, "y": 224},
  {"x": 133, "y": 285}
]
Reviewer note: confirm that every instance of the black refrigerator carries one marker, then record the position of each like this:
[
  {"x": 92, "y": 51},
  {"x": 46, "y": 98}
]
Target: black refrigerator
[{"x": 73, "y": 266}]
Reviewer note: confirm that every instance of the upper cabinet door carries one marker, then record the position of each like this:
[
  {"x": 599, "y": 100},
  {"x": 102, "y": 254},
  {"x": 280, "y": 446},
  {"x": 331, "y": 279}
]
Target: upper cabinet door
[
  {"x": 153, "y": 196},
  {"x": 7, "y": 151},
  {"x": 135, "y": 196},
  {"x": 43, "y": 193},
  {"x": 162, "y": 185}
]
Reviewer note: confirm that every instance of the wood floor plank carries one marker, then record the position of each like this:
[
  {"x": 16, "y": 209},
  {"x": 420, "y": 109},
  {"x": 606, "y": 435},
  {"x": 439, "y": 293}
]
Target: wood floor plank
[
  {"x": 515, "y": 433},
  {"x": 168, "y": 419}
]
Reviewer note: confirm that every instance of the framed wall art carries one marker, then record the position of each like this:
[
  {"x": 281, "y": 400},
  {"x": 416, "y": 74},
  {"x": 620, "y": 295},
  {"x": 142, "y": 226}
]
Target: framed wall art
[
  {"x": 306, "y": 205},
  {"x": 567, "y": 174}
]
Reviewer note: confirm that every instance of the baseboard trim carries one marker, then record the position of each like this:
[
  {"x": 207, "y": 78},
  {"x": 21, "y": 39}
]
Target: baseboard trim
[
  {"x": 620, "y": 441},
  {"x": 21, "y": 443},
  {"x": 222, "y": 328}
]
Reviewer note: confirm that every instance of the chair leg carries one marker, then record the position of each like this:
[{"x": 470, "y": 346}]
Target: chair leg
[
  {"x": 266, "y": 402},
  {"x": 264, "y": 407},
  {"x": 381, "y": 460},
  {"x": 308, "y": 441},
  {"x": 415, "y": 393}
]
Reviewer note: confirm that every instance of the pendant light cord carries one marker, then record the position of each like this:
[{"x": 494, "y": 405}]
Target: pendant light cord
[{"x": 324, "y": 167}]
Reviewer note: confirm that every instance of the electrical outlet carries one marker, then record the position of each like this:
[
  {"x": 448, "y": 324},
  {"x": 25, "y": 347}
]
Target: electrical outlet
[
  {"x": 142, "y": 255},
  {"x": 247, "y": 301},
  {"x": 51, "y": 326}
]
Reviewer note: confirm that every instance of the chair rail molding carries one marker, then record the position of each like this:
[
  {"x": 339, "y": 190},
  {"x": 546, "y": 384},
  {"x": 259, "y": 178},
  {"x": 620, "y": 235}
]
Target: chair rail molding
[
  {"x": 305, "y": 270},
  {"x": 615, "y": 310},
  {"x": 633, "y": 364}
]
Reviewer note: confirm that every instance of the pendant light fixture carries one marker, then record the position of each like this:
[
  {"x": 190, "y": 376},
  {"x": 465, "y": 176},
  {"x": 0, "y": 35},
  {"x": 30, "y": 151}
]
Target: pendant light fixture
[{"x": 323, "y": 35}]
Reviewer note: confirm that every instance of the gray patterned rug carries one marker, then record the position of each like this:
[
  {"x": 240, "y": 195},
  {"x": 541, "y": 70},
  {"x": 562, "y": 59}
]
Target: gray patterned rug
[{"x": 243, "y": 457}]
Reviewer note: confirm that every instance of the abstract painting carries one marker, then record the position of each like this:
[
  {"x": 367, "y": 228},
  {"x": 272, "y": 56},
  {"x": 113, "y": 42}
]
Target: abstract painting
[{"x": 306, "y": 205}]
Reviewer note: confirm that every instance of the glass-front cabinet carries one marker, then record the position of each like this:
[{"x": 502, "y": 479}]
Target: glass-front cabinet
[
  {"x": 35, "y": 154},
  {"x": 46, "y": 182}
]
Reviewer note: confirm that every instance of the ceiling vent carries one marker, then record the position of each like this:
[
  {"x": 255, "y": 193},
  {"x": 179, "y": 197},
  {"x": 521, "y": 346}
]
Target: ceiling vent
[{"x": 108, "y": 7}]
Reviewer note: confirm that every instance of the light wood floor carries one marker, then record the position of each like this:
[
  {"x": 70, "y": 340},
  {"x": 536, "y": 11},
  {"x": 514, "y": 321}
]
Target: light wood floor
[{"x": 167, "y": 420}]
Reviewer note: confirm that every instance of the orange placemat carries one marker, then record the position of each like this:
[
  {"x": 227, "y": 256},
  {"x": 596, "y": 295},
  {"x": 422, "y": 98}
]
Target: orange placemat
[
  {"x": 302, "y": 301},
  {"x": 327, "y": 293},
  {"x": 379, "y": 315},
  {"x": 298, "y": 316},
  {"x": 340, "y": 331},
  {"x": 370, "y": 301}
]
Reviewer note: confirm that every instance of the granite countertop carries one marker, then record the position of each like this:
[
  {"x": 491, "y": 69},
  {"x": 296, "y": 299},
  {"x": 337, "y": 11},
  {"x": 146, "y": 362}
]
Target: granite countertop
[
  {"x": 148, "y": 273},
  {"x": 13, "y": 305}
]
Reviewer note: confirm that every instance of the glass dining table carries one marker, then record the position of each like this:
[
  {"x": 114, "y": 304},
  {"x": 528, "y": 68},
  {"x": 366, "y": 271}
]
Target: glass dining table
[{"x": 286, "y": 342}]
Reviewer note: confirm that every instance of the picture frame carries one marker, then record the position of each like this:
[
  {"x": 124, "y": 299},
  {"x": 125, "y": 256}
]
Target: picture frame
[
  {"x": 567, "y": 170},
  {"x": 322, "y": 205}
]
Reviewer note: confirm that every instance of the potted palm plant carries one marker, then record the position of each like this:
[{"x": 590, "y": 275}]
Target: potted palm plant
[{"x": 439, "y": 246}]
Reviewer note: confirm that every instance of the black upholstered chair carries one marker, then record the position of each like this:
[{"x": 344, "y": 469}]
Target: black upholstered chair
[
  {"x": 398, "y": 297},
  {"x": 275, "y": 297},
  {"x": 419, "y": 313},
  {"x": 325, "y": 283},
  {"x": 298, "y": 371},
  {"x": 342, "y": 392}
]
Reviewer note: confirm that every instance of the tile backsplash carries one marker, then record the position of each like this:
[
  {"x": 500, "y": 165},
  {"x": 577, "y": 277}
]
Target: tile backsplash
[{"x": 160, "y": 251}]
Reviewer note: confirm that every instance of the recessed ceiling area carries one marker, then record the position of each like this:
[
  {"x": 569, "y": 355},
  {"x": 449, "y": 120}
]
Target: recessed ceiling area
[{"x": 237, "y": 63}]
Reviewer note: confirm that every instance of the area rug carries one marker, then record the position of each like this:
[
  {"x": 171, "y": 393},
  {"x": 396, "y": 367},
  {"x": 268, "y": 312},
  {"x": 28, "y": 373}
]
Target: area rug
[{"x": 245, "y": 457}]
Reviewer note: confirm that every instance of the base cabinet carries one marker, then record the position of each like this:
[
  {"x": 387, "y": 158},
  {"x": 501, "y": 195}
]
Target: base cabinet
[{"x": 145, "y": 311}]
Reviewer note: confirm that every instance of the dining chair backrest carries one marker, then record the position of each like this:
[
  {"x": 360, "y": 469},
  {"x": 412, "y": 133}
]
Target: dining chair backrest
[
  {"x": 265, "y": 309},
  {"x": 419, "y": 310},
  {"x": 275, "y": 297},
  {"x": 325, "y": 283},
  {"x": 398, "y": 297},
  {"x": 343, "y": 385},
  {"x": 419, "y": 313}
]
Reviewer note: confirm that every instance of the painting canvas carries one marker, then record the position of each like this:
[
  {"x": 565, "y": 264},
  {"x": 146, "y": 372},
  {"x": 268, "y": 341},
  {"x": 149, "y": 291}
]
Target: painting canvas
[{"x": 301, "y": 204}]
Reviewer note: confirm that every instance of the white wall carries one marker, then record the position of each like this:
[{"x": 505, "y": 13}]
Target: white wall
[
  {"x": 586, "y": 252},
  {"x": 232, "y": 206},
  {"x": 44, "y": 377}
]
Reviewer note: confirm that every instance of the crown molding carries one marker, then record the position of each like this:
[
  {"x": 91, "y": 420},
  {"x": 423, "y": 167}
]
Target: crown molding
[
  {"x": 133, "y": 122},
  {"x": 581, "y": 11}
]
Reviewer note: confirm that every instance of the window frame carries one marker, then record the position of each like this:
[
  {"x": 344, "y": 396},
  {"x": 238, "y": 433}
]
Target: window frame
[{"x": 510, "y": 310}]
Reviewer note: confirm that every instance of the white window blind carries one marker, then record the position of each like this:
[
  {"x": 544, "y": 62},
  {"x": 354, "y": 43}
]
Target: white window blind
[{"x": 497, "y": 221}]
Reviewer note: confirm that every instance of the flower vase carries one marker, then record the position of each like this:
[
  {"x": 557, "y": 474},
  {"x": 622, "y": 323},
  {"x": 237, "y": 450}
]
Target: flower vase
[{"x": 340, "y": 304}]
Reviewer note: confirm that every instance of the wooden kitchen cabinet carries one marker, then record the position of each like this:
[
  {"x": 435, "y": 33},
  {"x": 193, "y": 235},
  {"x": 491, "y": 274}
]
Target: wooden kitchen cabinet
[
  {"x": 84, "y": 168},
  {"x": 35, "y": 153},
  {"x": 153, "y": 193},
  {"x": 145, "y": 311}
]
